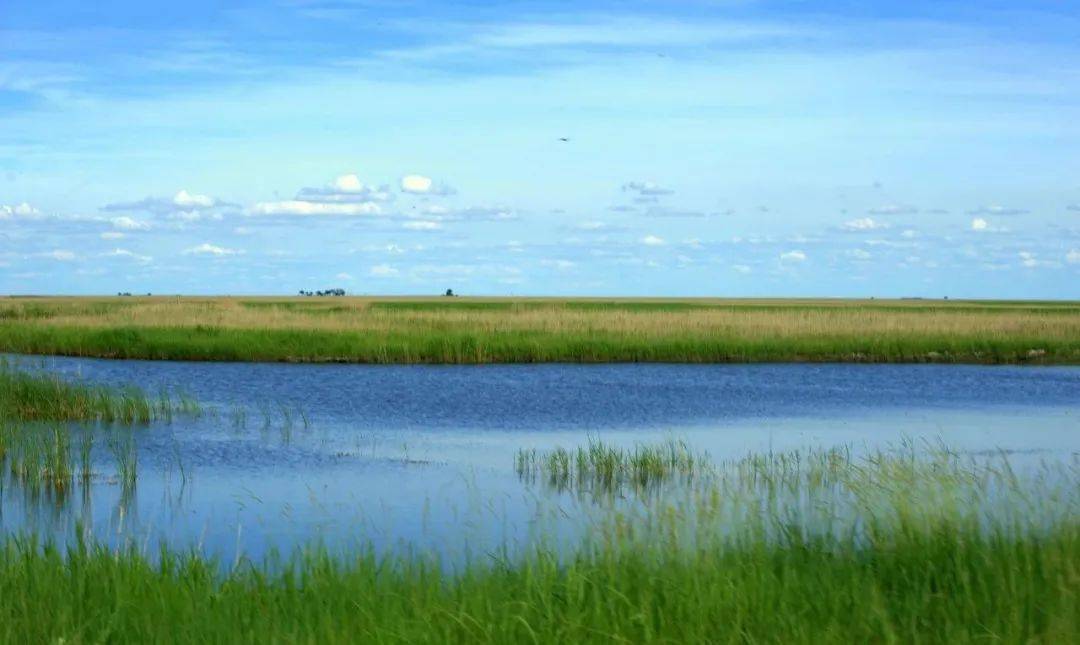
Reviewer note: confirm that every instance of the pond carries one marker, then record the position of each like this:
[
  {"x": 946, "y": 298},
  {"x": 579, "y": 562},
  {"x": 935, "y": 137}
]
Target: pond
[{"x": 423, "y": 456}]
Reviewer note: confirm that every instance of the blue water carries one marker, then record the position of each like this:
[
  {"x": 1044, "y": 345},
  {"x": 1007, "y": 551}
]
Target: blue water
[{"x": 421, "y": 455}]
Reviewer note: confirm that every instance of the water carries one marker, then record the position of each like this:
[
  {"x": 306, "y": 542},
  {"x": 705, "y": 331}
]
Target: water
[{"x": 423, "y": 456}]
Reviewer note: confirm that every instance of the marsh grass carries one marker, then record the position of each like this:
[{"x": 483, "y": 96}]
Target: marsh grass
[
  {"x": 38, "y": 458},
  {"x": 603, "y": 467},
  {"x": 42, "y": 396},
  {"x": 904, "y": 545},
  {"x": 545, "y": 330}
]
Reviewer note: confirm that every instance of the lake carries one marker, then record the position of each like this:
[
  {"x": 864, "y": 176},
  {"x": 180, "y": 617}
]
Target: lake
[{"x": 423, "y": 456}]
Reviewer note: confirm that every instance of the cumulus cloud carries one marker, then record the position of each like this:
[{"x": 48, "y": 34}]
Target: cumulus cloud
[
  {"x": 113, "y": 235},
  {"x": 858, "y": 254},
  {"x": 210, "y": 249},
  {"x": 346, "y": 189},
  {"x": 793, "y": 257},
  {"x": 652, "y": 240},
  {"x": 125, "y": 223},
  {"x": 421, "y": 185},
  {"x": 893, "y": 209},
  {"x": 1073, "y": 256},
  {"x": 184, "y": 205},
  {"x": 19, "y": 211},
  {"x": 981, "y": 225},
  {"x": 646, "y": 189},
  {"x": 998, "y": 210},
  {"x": 864, "y": 224}
]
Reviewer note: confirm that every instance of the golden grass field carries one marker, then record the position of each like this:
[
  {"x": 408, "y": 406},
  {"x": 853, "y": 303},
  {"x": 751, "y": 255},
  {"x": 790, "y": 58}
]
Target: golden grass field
[{"x": 479, "y": 330}]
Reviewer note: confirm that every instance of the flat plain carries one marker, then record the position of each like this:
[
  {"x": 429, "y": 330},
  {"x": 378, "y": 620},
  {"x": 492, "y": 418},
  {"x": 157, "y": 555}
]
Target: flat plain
[{"x": 533, "y": 330}]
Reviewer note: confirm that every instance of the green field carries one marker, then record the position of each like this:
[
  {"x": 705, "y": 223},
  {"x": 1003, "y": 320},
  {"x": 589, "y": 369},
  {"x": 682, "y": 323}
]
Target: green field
[{"x": 479, "y": 330}]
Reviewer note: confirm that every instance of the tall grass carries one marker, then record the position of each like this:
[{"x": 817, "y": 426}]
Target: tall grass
[
  {"x": 37, "y": 458},
  {"x": 606, "y": 467},
  {"x": 545, "y": 330},
  {"x": 820, "y": 547},
  {"x": 43, "y": 396}
]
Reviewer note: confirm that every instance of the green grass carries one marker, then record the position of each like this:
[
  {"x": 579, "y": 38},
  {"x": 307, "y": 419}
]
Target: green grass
[
  {"x": 464, "y": 330},
  {"x": 524, "y": 346},
  {"x": 40, "y": 396},
  {"x": 817, "y": 547},
  {"x": 608, "y": 468}
]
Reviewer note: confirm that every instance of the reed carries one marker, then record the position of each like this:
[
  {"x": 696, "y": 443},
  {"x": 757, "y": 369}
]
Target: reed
[
  {"x": 606, "y": 467},
  {"x": 42, "y": 396},
  {"x": 907, "y": 545},
  {"x": 37, "y": 458},
  {"x": 368, "y": 330}
]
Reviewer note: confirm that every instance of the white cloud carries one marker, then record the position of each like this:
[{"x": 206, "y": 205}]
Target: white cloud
[
  {"x": 858, "y": 254},
  {"x": 346, "y": 189},
  {"x": 909, "y": 234},
  {"x": 652, "y": 240},
  {"x": 184, "y": 199},
  {"x": 979, "y": 224},
  {"x": 124, "y": 253},
  {"x": 125, "y": 223},
  {"x": 793, "y": 257},
  {"x": 344, "y": 276},
  {"x": 349, "y": 184},
  {"x": 1073, "y": 256},
  {"x": 382, "y": 271},
  {"x": 113, "y": 235},
  {"x": 864, "y": 224},
  {"x": 314, "y": 209},
  {"x": 209, "y": 249},
  {"x": 421, "y": 185},
  {"x": 421, "y": 225},
  {"x": 20, "y": 211},
  {"x": 741, "y": 268}
]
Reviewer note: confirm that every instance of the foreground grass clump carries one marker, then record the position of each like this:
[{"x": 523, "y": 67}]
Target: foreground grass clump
[
  {"x": 42, "y": 396},
  {"x": 794, "y": 548},
  {"x": 463, "y": 330}
]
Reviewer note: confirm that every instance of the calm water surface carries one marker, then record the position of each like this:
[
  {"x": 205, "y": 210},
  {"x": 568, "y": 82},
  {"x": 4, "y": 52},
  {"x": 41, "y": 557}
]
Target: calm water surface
[{"x": 424, "y": 455}]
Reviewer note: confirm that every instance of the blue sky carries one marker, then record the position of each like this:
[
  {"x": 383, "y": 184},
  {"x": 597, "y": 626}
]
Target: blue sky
[{"x": 712, "y": 148}]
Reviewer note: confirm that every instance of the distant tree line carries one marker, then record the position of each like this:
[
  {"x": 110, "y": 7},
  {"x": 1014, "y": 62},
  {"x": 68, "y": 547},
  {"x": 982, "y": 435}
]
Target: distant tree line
[{"x": 327, "y": 292}]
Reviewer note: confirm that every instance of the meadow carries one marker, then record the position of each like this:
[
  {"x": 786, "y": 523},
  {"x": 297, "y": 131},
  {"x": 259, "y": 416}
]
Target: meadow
[
  {"x": 489, "y": 330},
  {"x": 900, "y": 545}
]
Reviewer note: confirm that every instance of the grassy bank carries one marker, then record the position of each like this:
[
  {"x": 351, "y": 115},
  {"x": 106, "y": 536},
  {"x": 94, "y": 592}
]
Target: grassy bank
[
  {"x": 806, "y": 548},
  {"x": 365, "y": 330}
]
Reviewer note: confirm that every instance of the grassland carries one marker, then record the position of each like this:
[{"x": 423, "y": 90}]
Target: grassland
[
  {"x": 793, "y": 548},
  {"x": 477, "y": 330}
]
